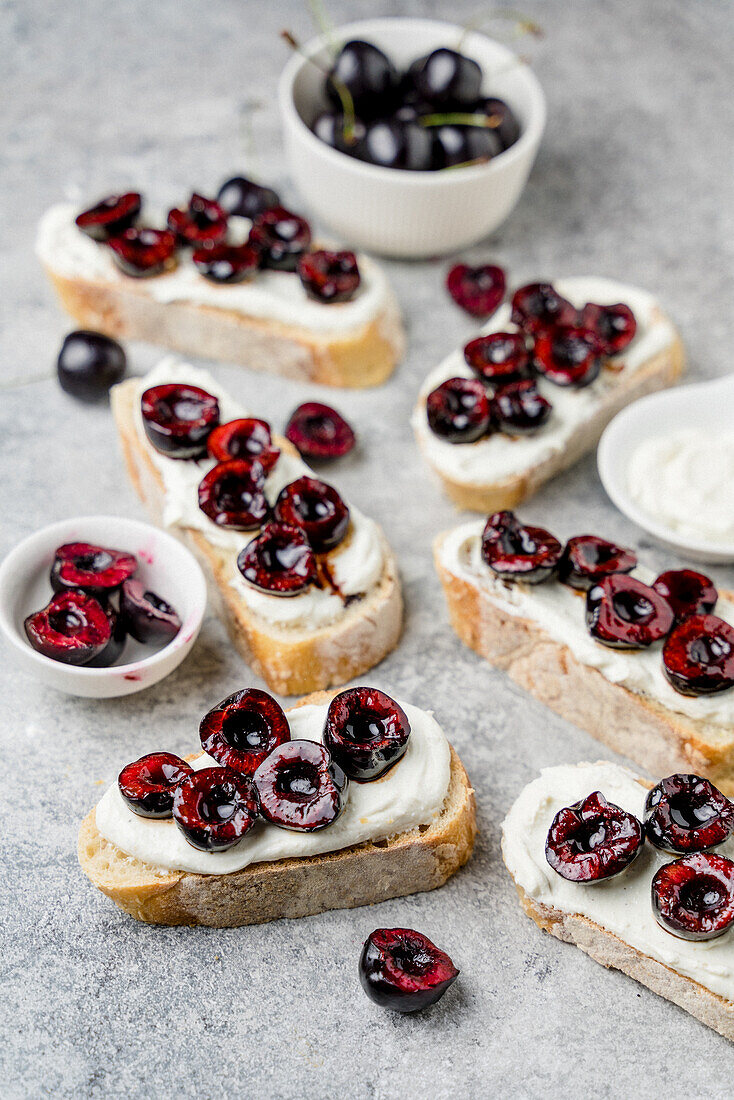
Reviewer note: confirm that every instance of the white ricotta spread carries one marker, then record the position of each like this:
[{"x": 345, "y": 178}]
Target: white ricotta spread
[
  {"x": 685, "y": 480},
  {"x": 621, "y": 905},
  {"x": 272, "y": 295},
  {"x": 500, "y": 456},
  {"x": 559, "y": 611},
  {"x": 412, "y": 793},
  {"x": 356, "y": 565}
]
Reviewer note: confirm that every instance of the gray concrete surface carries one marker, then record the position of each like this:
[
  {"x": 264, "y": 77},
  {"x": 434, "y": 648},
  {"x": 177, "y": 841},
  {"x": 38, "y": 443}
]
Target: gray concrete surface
[{"x": 634, "y": 181}]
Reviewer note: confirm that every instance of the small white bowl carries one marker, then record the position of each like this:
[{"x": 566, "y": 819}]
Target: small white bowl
[
  {"x": 395, "y": 212},
  {"x": 705, "y": 404},
  {"x": 166, "y": 566}
]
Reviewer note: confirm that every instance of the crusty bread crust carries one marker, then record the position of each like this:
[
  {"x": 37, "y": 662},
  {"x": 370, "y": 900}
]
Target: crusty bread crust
[
  {"x": 411, "y": 862},
  {"x": 291, "y": 661},
  {"x": 662, "y": 370},
  {"x": 365, "y": 357},
  {"x": 639, "y": 728}
]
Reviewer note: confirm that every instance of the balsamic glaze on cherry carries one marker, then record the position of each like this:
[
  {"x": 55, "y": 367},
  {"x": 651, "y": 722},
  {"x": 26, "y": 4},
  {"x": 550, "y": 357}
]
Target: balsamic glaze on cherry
[
  {"x": 403, "y": 970},
  {"x": 567, "y": 355},
  {"x": 687, "y": 592},
  {"x": 329, "y": 276},
  {"x": 245, "y": 198},
  {"x": 242, "y": 730},
  {"x": 148, "y": 618},
  {"x": 232, "y": 494},
  {"x": 281, "y": 238},
  {"x": 498, "y": 358},
  {"x": 459, "y": 410},
  {"x": 279, "y": 561},
  {"x": 214, "y": 808},
  {"x": 202, "y": 223},
  {"x": 593, "y": 840},
  {"x": 519, "y": 408},
  {"x": 111, "y": 216},
  {"x": 698, "y": 657},
  {"x": 227, "y": 263},
  {"x": 245, "y": 438},
  {"x": 73, "y": 628},
  {"x": 686, "y": 813},
  {"x": 178, "y": 419},
  {"x": 624, "y": 613},
  {"x": 148, "y": 784},
  {"x": 538, "y": 306},
  {"x": 301, "y": 787},
  {"x": 693, "y": 897},
  {"x": 614, "y": 326},
  {"x": 97, "y": 570},
  {"x": 319, "y": 432},
  {"x": 478, "y": 290},
  {"x": 142, "y": 252},
  {"x": 89, "y": 363},
  {"x": 366, "y": 732},
  {"x": 515, "y": 552},
  {"x": 315, "y": 507},
  {"x": 587, "y": 558}
]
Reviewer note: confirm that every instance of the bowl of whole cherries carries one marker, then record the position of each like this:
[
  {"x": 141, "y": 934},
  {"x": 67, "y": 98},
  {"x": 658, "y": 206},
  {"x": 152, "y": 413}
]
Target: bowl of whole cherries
[{"x": 410, "y": 137}]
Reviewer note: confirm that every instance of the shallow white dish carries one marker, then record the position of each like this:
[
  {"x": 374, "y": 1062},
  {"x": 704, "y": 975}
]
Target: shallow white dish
[
  {"x": 705, "y": 404},
  {"x": 166, "y": 567},
  {"x": 395, "y": 212}
]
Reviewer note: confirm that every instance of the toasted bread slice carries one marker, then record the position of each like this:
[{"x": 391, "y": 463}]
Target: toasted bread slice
[
  {"x": 292, "y": 661},
  {"x": 638, "y": 727},
  {"x": 420, "y": 859},
  {"x": 612, "y": 951}
]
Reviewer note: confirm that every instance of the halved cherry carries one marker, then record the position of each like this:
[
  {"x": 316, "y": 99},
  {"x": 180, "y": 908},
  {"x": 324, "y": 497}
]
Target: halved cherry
[
  {"x": 686, "y": 813},
  {"x": 615, "y": 326},
  {"x": 478, "y": 290},
  {"x": 515, "y": 552},
  {"x": 317, "y": 508},
  {"x": 402, "y": 969},
  {"x": 232, "y": 494},
  {"x": 366, "y": 732},
  {"x": 280, "y": 561},
  {"x": 244, "y": 438},
  {"x": 147, "y": 618},
  {"x": 111, "y": 216},
  {"x": 459, "y": 410},
  {"x": 301, "y": 787},
  {"x": 98, "y": 570},
  {"x": 319, "y": 433},
  {"x": 147, "y": 785},
  {"x": 281, "y": 238},
  {"x": 202, "y": 223},
  {"x": 593, "y": 840},
  {"x": 698, "y": 657},
  {"x": 568, "y": 355},
  {"x": 73, "y": 628},
  {"x": 142, "y": 252},
  {"x": 519, "y": 408},
  {"x": 538, "y": 306},
  {"x": 214, "y": 808},
  {"x": 178, "y": 419},
  {"x": 242, "y": 730},
  {"x": 624, "y": 613},
  {"x": 693, "y": 897},
  {"x": 498, "y": 358},
  {"x": 329, "y": 276},
  {"x": 687, "y": 592},
  {"x": 587, "y": 558},
  {"x": 226, "y": 263}
]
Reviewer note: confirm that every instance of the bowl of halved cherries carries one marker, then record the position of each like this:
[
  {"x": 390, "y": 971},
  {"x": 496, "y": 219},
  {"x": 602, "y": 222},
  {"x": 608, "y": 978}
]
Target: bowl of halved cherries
[
  {"x": 101, "y": 606},
  {"x": 410, "y": 137}
]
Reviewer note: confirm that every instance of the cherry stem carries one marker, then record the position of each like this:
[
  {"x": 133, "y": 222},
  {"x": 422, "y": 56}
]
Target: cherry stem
[
  {"x": 522, "y": 25},
  {"x": 458, "y": 118},
  {"x": 345, "y": 96}
]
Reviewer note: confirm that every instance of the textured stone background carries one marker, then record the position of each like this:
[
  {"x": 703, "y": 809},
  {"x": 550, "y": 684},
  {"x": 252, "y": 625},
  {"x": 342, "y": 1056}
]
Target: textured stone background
[{"x": 633, "y": 180}]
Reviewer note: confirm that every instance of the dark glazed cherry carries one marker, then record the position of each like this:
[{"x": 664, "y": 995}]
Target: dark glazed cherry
[
  {"x": 178, "y": 419},
  {"x": 518, "y": 553},
  {"x": 315, "y": 507},
  {"x": 687, "y": 592},
  {"x": 89, "y": 363},
  {"x": 73, "y": 628},
  {"x": 403, "y": 970},
  {"x": 568, "y": 355},
  {"x": 319, "y": 432},
  {"x": 614, "y": 326},
  {"x": 242, "y": 730},
  {"x": 539, "y": 306},
  {"x": 279, "y": 561},
  {"x": 246, "y": 438},
  {"x": 301, "y": 787},
  {"x": 390, "y": 143},
  {"x": 97, "y": 570},
  {"x": 281, "y": 238},
  {"x": 329, "y": 276},
  {"x": 593, "y": 840},
  {"x": 478, "y": 290},
  {"x": 245, "y": 198},
  {"x": 368, "y": 75},
  {"x": 624, "y": 613},
  {"x": 147, "y": 785},
  {"x": 693, "y": 897},
  {"x": 685, "y": 813},
  {"x": 232, "y": 494},
  {"x": 447, "y": 79},
  {"x": 366, "y": 732},
  {"x": 203, "y": 223},
  {"x": 464, "y": 145},
  {"x": 142, "y": 252},
  {"x": 110, "y": 217},
  {"x": 698, "y": 657},
  {"x": 227, "y": 263},
  {"x": 498, "y": 358},
  {"x": 459, "y": 411},
  {"x": 502, "y": 119},
  {"x": 214, "y": 808},
  {"x": 519, "y": 409},
  {"x": 147, "y": 618},
  {"x": 586, "y": 559}
]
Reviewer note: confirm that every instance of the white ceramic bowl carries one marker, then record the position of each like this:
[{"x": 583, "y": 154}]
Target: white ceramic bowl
[
  {"x": 395, "y": 212},
  {"x": 166, "y": 566},
  {"x": 708, "y": 405}
]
